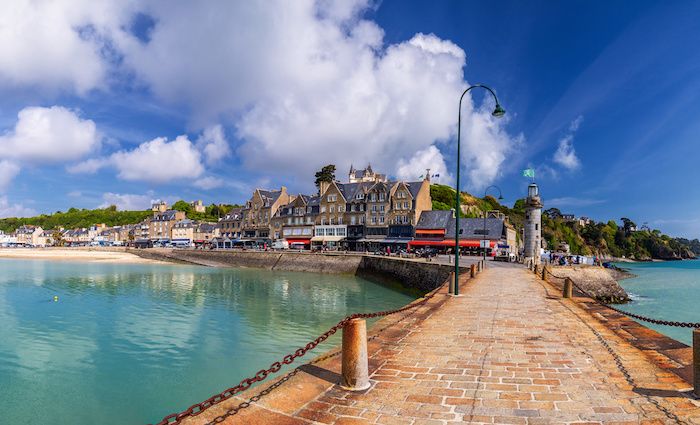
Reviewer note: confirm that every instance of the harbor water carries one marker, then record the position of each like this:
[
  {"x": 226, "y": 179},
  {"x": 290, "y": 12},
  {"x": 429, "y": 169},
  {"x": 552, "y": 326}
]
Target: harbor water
[
  {"x": 665, "y": 290},
  {"x": 86, "y": 343}
]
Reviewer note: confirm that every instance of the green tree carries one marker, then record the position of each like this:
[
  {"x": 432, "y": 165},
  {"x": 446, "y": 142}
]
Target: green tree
[{"x": 327, "y": 174}]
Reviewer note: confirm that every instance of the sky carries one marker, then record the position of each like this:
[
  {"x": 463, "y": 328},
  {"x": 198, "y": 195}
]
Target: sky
[{"x": 123, "y": 102}]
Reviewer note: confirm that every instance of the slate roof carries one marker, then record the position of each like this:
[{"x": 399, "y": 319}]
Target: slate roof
[
  {"x": 472, "y": 228},
  {"x": 270, "y": 195},
  {"x": 414, "y": 188}
]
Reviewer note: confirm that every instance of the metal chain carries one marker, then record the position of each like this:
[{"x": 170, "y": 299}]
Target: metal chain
[
  {"x": 626, "y": 313},
  {"x": 261, "y": 375}
]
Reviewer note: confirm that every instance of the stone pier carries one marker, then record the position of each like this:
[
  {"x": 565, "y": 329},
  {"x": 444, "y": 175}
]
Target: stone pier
[{"x": 511, "y": 350}]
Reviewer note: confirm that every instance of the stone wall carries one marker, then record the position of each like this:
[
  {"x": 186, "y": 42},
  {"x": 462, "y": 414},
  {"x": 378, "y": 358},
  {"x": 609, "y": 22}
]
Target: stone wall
[
  {"x": 415, "y": 275},
  {"x": 597, "y": 281}
]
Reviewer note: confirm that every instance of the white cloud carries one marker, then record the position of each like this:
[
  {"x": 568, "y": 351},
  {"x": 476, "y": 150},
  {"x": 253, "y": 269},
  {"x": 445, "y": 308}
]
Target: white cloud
[
  {"x": 46, "y": 135},
  {"x": 428, "y": 158},
  {"x": 159, "y": 161},
  {"x": 208, "y": 183},
  {"x": 570, "y": 201},
  {"x": 566, "y": 154},
  {"x": 127, "y": 201},
  {"x": 14, "y": 210},
  {"x": 89, "y": 166},
  {"x": 60, "y": 46},
  {"x": 75, "y": 194},
  {"x": 213, "y": 144},
  {"x": 312, "y": 85},
  {"x": 8, "y": 171}
]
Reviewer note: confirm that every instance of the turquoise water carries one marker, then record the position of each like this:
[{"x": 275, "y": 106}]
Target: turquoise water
[
  {"x": 128, "y": 344},
  {"x": 665, "y": 290}
]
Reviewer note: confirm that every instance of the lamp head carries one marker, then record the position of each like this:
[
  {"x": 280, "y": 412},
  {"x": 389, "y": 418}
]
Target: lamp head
[
  {"x": 500, "y": 197},
  {"x": 499, "y": 111}
]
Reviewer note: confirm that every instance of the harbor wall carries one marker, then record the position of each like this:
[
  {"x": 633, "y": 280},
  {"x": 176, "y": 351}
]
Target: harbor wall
[{"x": 416, "y": 275}]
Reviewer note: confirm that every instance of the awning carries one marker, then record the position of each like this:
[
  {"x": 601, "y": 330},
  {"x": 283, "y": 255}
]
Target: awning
[
  {"x": 327, "y": 238},
  {"x": 399, "y": 240},
  {"x": 467, "y": 243},
  {"x": 304, "y": 241},
  {"x": 430, "y": 231}
]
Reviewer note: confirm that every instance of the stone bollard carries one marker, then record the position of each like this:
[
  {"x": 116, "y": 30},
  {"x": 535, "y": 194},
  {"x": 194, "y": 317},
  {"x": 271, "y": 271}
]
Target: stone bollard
[
  {"x": 478, "y": 266},
  {"x": 544, "y": 273},
  {"x": 472, "y": 270},
  {"x": 452, "y": 283},
  {"x": 696, "y": 362},
  {"x": 355, "y": 369},
  {"x": 568, "y": 288}
]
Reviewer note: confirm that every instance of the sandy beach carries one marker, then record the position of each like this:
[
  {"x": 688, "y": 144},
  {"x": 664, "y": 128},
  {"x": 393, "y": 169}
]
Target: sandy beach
[{"x": 76, "y": 254}]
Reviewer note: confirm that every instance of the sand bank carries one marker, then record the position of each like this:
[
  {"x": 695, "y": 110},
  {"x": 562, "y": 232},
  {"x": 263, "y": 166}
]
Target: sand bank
[{"x": 76, "y": 254}]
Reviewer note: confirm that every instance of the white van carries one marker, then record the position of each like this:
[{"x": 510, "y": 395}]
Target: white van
[{"x": 280, "y": 244}]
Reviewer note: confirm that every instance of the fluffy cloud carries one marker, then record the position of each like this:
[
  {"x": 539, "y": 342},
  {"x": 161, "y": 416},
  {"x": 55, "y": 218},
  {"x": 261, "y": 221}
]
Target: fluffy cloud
[
  {"x": 46, "y": 135},
  {"x": 159, "y": 161},
  {"x": 213, "y": 144},
  {"x": 8, "y": 171},
  {"x": 14, "y": 210},
  {"x": 312, "y": 85},
  {"x": 428, "y": 158},
  {"x": 566, "y": 154},
  {"x": 57, "y": 45},
  {"x": 127, "y": 201}
]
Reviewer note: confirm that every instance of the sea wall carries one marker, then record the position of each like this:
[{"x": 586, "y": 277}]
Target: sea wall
[
  {"x": 416, "y": 275},
  {"x": 597, "y": 281}
]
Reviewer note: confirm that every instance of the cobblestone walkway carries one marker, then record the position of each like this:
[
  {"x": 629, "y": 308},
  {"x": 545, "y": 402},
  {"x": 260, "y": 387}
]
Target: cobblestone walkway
[{"x": 506, "y": 353}]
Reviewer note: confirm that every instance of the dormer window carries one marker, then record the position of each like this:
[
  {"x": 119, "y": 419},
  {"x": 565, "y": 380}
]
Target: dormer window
[{"x": 360, "y": 196}]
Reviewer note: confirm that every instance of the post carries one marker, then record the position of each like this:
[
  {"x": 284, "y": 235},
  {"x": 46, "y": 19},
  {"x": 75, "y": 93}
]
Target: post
[
  {"x": 478, "y": 266},
  {"x": 355, "y": 369},
  {"x": 472, "y": 270},
  {"x": 544, "y": 272},
  {"x": 568, "y": 287},
  {"x": 452, "y": 283},
  {"x": 696, "y": 362}
]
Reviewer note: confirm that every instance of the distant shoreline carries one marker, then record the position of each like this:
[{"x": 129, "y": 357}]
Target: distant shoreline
[{"x": 76, "y": 254}]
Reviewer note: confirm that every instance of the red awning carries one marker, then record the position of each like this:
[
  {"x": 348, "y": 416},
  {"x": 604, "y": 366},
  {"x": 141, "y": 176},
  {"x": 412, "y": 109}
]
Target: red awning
[
  {"x": 468, "y": 243},
  {"x": 304, "y": 241},
  {"x": 430, "y": 231}
]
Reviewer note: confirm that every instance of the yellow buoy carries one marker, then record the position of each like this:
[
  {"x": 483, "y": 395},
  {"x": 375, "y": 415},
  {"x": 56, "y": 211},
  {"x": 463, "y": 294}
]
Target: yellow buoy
[{"x": 55, "y": 298}]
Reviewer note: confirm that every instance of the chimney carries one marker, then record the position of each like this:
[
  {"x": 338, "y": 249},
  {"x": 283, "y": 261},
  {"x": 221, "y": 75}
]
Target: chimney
[
  {"x": 427, "y": 174},
  {"x": 323, "y": 187}
]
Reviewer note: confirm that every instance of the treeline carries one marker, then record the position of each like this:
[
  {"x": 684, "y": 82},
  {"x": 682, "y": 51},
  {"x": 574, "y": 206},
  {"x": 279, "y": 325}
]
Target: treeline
[
  {"x": 81, "y": 218},
  {"x": 76, "y": 218}
]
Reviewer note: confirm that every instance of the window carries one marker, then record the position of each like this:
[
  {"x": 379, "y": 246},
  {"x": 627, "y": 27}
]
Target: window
[
  {"x": 332, "y": 198},
  {"x": 323, "y": 208},
  {"x": 381, "y": 208},
  {"x": 381, "y": 197},
  {"x": 537, "y": 226},
  {"x": 330, "y": 231},
  {"x": 319, "y": 231},
  {"x": 362, "y": 219},
  {"x": 374, "y": 219},
  {"x": 352, "y": 219},
  {"x": 373, "y": 197},
  {"x": 360, "y": 196},
  {"x": 341, "y": 208},
  {"x": 381, "y": 219},
  {"x": 331, "y": 208},
  {"x": 405, "y": 205},
  {"x": 374, "y": 208}
]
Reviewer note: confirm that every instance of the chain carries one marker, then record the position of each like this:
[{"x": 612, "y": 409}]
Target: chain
[
  {"x": 261, "y": 375},
  {"x": 626, "y": 313}
]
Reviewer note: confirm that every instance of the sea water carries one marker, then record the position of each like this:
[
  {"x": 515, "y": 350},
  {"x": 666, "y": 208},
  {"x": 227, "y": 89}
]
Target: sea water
[
  {"x": 100, "y": 343},
  {"x": 665, "y": 290}
]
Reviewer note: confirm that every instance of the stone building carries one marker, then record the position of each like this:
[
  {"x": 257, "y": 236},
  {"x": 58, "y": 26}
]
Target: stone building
[{"x": 533, "y": 225}]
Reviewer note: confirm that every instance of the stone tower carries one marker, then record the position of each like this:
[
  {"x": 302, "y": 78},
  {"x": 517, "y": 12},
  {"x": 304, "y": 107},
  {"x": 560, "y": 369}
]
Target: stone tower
[{"x": 533, "y": 224}]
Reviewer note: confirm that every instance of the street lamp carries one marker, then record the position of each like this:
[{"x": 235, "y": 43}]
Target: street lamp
[
  {"x": 500, "y": 198},
  {"x": 497, "y": 112}
]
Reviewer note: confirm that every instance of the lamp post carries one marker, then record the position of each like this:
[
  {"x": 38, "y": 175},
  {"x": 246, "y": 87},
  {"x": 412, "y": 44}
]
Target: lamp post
[
  {"x": 500, "y": 198},
  {"x": 497, "y": 112}
]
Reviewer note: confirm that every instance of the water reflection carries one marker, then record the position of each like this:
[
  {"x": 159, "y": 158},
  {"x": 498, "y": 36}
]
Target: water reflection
[{"x": 150, "y": 339}]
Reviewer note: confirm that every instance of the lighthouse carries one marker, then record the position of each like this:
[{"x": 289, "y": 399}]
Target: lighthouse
[{"x": 533, "y": 225}]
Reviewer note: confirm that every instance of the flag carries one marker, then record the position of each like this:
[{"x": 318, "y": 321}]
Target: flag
[
  {"x": 529, "y": 173},
  {"x": 436, "y": 175},
  {"x": 421, "y": 176}
]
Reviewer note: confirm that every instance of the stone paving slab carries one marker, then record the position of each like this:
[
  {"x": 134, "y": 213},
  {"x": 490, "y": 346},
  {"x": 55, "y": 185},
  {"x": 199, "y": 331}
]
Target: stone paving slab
[{"x": 509, "y": 351}]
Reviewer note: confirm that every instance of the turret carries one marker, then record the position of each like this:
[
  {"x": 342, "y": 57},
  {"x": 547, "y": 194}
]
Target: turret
[{"x": 533, "y": 224}]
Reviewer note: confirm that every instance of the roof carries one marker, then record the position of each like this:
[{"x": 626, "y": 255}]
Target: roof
[
  {"x": 414, "y": 188},
  {"x": 270, "y": 195},
  {"x": 165, "y": 215},
  {"x": 472, "y": 228},
  {"x": 206, "y": 227}
]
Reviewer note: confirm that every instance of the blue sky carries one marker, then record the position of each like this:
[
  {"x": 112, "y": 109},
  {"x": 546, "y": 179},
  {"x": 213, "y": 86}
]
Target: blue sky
[{"x": 124, "y": 103}]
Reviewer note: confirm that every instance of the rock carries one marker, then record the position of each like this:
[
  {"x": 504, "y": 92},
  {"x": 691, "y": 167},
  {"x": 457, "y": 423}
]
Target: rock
[{"x": 596, "y": 281}]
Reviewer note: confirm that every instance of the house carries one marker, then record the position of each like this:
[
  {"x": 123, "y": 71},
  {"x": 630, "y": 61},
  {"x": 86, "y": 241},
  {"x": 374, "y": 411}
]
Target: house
[
  {"x": 7, "y": 239},
  {"x": 294, "y": 222},
  {"x": 257, "y": 214},
  {"x": 76, "y": 237},
  {"x": 204, "y": 233},
  {"x": 230, "y": 225},
  {"x": 182, "y": 232},
  {"x": 198, "y": 206},
  {"x": 436, "y": 229},
  {"x": 161, "y": 224},
  {"x": 159, "y": 207},
  {"x": 29, "y": 235},
  {"x": 584, "y": 221},
  {"x": 366, "y": 175}
]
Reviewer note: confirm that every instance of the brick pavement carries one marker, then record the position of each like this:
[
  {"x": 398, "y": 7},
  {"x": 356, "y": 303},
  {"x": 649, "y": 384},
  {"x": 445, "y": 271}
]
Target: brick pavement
[{"x": 509, "y": 351}]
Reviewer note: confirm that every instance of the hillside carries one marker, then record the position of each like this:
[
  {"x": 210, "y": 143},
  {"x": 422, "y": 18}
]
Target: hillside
[
  {"x": 81, "y": 218},
  {"x": 605, "y": 239}
]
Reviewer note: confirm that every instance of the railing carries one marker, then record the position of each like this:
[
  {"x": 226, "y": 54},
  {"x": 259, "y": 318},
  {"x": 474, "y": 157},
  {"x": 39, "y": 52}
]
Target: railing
[
  {"x": 354, "y": 351},
  {"x": 569, "y": 284}
]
